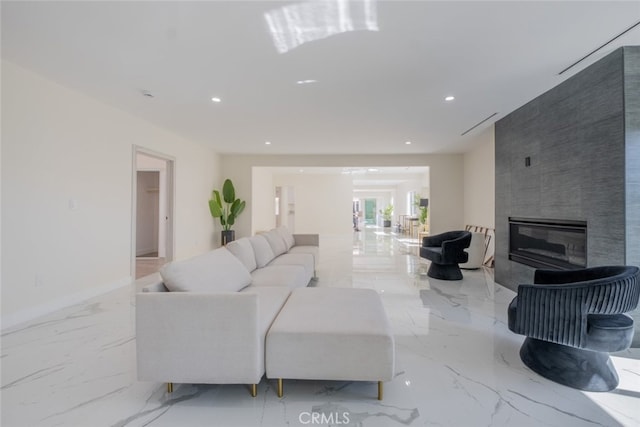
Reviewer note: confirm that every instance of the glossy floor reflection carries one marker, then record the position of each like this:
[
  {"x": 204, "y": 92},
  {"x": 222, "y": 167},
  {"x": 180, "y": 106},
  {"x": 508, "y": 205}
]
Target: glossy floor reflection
[{"x": 456, "y": 362}]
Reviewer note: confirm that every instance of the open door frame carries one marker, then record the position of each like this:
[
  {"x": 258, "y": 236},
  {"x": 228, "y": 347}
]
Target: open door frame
[{"x": 170, "y": 199}]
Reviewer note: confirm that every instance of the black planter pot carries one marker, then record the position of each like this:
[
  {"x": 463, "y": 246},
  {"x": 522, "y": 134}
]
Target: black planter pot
[
  {"x": 386, "y": 223},
  {"x": 227, "y": 236}
]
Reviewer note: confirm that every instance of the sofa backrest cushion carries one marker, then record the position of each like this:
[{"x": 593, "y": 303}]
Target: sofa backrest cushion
[
  {"x": 262, "y": 249},
  {"x": 286, "y": 235},
  {"x": 276, "y": 242},
  {"x": 214, "y": 271},
  {"x": 243, "y": 250}
]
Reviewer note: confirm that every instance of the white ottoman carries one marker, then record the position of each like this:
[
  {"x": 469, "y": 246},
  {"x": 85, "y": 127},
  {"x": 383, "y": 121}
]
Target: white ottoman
[{"x": 331, "y": 334}]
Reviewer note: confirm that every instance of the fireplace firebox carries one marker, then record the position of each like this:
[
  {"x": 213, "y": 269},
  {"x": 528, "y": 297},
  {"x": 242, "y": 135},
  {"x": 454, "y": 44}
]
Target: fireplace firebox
[{"x": 549, "y": 244}]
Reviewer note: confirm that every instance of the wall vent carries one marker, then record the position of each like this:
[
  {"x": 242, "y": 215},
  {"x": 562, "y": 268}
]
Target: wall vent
[
  {"x": 477, "y": 124},
  {"x": 598, "y": 48}
]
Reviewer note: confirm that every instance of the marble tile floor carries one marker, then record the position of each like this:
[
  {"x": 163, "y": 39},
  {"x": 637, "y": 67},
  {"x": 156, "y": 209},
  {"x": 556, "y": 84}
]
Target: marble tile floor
[{"x": 457, "y": 364}]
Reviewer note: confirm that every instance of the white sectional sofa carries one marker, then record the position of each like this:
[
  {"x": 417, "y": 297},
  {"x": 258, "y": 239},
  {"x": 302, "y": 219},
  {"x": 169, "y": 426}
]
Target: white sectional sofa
[
  {"x": 294, "y": 244},
  {"x": 207, "y": 320}
]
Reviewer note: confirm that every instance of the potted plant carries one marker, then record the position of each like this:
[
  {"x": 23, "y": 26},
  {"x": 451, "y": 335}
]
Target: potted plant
[
  {"x": 423, "y": 215},
  {"x": 386, "y": 215},
  {"x": 227, "y": 209},
  {"x": 423, "y": 209}
]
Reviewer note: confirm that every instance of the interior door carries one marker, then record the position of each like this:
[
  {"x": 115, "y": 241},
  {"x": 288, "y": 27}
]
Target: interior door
[{"x": 370, "y": 211}]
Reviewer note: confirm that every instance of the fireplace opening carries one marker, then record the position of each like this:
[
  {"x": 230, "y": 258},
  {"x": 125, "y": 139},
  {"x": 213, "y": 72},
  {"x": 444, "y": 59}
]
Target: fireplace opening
[{"x": 550, "y": 244}]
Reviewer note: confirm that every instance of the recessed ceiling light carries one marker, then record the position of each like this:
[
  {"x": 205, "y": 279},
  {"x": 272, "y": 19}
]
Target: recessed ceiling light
[
  {"x": 450, "y": 98},
  {"x": 267, "y": 143},
  {"x": 305, "y": 82},
  {"x": 408, "y": 142},
  {"x": 372, "y": 170},
  {"x": 216, "y": 99}
]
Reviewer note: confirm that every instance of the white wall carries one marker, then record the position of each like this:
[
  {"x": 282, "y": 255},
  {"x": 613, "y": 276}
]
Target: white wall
[
  {"x": 479, "y": 184},
  {"x": 446, "y": 188},
  {"x": 67, "y": 173},
  {"x": 479, "y": 181},
  {"x": 262, "y": 202},
  {"x": 288, "y": 207},
  {"x": 148, "y": 163},
  {"x": 322, "y": 202},
  {"x": 401, "y": 203}
]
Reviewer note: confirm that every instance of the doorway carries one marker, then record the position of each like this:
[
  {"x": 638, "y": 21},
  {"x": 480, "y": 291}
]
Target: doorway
[
  {"x": 148, "y": 215},
  {"x": 370, "y": 211},
  {"x": 152, "y": 218},
  {"x": 286, "y": 207}
]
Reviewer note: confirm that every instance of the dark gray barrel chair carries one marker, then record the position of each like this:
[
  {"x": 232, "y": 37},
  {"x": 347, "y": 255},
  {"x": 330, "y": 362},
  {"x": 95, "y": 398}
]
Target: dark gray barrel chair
[
  {"x": 446, "y": 251},
  {"x": 573, "y": 320}
]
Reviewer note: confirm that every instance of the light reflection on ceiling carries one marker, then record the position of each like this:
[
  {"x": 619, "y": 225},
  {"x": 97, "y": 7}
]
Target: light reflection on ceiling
[{"x": 296, "y": 24}]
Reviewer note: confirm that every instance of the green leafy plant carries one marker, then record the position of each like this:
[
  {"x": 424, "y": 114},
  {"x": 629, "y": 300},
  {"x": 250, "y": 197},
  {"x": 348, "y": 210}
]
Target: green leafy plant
[
  {"x": 228, "y": 207},
  {"x": 387, "y": 212},
  {"x": 423, "y": 210},
  {"x": 423, "y": 214}
]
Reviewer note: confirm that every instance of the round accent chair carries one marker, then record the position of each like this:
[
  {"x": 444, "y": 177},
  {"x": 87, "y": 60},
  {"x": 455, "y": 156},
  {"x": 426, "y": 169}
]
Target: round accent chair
[
  {"x": 446, "y": 251},
  {"x": 573, "y": 320}
]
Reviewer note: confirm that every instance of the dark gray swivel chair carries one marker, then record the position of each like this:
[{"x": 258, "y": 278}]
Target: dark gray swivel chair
[
  {"x": 573, "y": 320},
  {"x": 445, "y": 251}
]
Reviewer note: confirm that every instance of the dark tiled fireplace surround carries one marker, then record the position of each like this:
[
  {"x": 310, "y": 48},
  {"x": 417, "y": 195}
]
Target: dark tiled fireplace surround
[{"x": 573, "y": 153}]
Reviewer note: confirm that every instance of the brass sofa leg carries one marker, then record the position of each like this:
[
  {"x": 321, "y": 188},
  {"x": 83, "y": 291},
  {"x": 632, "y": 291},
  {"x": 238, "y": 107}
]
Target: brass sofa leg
[
  {"x": 380, "y": 389},
  {"x": 254, "y": 390},
  {"x": 169, "y": 387},
  {"x": 280, "y": 392}
]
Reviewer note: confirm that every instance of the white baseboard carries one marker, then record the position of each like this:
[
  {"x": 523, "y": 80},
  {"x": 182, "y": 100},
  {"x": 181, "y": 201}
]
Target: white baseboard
[{"x": 22, "y": 316}]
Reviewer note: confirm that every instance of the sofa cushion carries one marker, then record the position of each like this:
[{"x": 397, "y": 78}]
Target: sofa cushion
[
  {"x": 288, "y": 276},
  {"x": 214, "y": 271},
  {"x": 313, "y": 250},
  {"x": 301, "y": 259},
  {"x": 276, "y": 242},
  {"x": 243, "y": 250},
  {"x": 286, "y": 235},
  {"x": 432, "y": 253},
  {"x": 262, "y": 249}
]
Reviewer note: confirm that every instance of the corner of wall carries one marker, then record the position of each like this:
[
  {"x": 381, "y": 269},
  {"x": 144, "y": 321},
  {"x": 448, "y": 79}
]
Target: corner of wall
[{"x": 479, "y": 180}]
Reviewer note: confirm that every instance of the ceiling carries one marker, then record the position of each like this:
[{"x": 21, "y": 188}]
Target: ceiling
[
  {"x": 381, "y": 69},
  {"x": 364, "y": 178}
]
